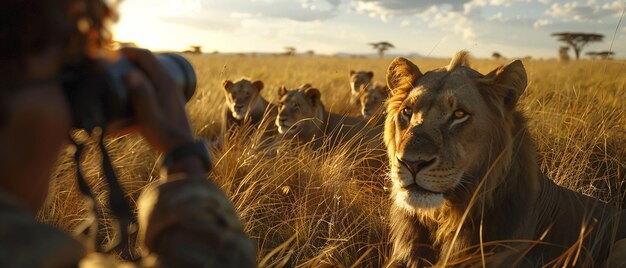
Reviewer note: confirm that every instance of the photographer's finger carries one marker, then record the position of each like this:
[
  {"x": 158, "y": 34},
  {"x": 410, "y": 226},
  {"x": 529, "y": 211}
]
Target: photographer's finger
[
  {"x": 143, "y": 98},
  {"x": 171, "y": 100},
  {"x": 154, "y": 126},
  {"x": 146, "y": 61}
]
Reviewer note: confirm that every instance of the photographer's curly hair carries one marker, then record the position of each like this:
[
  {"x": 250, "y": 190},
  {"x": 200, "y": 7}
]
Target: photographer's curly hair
[{"x": 28, "y": 27}]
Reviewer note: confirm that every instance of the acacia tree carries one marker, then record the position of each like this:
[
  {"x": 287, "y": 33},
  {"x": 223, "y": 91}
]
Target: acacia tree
[
  {"x": 578, "y": 40},
  {"x": 290, "y": 51},
  {"x": 496, "y": 56},
  {"x": 381, "y": 47},
  {"x": 605, "y": 55},
  {"x": 196, "y": 49}
]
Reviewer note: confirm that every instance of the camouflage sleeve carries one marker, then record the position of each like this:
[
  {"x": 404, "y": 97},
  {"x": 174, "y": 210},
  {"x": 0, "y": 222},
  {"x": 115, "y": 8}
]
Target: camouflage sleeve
[
  {"x": 190, "y": 222},
  {"x": 25, "y": 242}
]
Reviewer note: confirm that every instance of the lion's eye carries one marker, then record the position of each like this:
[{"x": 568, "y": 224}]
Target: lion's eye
[
  {"x": 407, "y": 112},
  {"x": 458, "y": 114}
]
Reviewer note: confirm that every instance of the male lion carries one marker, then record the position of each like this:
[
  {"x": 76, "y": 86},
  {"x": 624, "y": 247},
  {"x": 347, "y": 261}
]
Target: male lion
[
  {"x": 356, "y": 80},
  {"x": 372, "y": 100},
  {"x": 245, "y": 105},
  {"x": 467, "y": 188}
]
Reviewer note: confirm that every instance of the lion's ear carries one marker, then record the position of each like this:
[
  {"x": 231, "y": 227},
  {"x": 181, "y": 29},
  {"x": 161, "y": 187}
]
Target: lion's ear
[
  {"x": 509, "y": 82},
  {"x": 313, "y": 96},
  {"x": 258, "y": 85},
  {"x": 370, "y": 74},
  {"x": 305, "y": 86},
  {"x": 226, "y": 84},
  {"x": 282, "y": 90},
  {"x": 401, "y": 72},
  {"x": 352, "y": 72}
]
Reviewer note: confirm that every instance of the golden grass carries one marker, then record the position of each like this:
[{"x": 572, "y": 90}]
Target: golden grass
[{"x": 311, "y": 209}]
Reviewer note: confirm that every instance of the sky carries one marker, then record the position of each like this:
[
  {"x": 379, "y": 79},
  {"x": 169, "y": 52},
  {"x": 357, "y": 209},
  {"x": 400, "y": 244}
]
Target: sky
[{"x": 435, "y": 28}]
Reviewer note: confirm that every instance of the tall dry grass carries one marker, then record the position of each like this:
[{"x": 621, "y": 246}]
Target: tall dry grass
[{"x": 306, "y": 208}]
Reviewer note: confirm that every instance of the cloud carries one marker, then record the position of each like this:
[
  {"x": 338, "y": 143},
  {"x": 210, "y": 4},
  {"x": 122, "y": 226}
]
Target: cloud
[
  {"x": 473, "y": 4},
  {"x": 492, "y": 2},
  {"x": 497, "y": 17},
  {"x": 541, "y": 22},
  {"x": 239, "y": 15},
  {"x": 457, "y": 23},
  {"x": 386, "y": 9},
  {"x": 297, "y": 10},
  {"x": 218, "y": 15},
  {"x": 320, "y": 4},
  {"x": 448, "y": 15},
  {"x": 202, "y": 23},
  {"x": 590, "y": 11}
]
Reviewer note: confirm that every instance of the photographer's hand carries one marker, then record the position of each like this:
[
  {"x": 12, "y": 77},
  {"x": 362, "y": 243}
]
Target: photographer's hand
[
  {"x": 192, "y": 213},
  {"x": 160, "y": 114}
]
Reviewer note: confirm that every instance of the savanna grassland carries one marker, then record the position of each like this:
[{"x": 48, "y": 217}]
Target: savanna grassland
[{"x": 305, "y": 208}]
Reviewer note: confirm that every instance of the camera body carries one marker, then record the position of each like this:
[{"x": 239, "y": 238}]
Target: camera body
[{"x": 98, "y": 95}]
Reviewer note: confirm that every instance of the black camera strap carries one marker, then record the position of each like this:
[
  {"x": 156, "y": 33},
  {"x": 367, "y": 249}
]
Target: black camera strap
[
  {"x": 87, "y": 232},
  {"x": 119, "y": 205}
]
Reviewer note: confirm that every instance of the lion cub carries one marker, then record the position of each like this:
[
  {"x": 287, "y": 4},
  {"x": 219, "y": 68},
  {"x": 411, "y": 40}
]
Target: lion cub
[
  {"x": 245, "y": 105},
  {"x": 357, "y": 79},
  {"x": 302, "y": 116},
  {"x": 372, "y": 99}
]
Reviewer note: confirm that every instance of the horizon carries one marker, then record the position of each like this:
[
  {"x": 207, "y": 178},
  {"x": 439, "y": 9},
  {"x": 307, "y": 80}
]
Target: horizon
[{"x": 513, "y": 28}]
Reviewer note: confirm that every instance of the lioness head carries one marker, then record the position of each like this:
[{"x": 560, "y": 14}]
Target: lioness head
[
  {"x": 356, "y": 80},
  {"x": 372, "y": 99},
  {"x": 441, "y": 125},
  {"x": 241, "y": 96},
  {"x": 299, "y": 110}
]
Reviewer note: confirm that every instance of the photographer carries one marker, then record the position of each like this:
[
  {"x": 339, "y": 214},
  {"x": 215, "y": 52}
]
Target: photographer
[{"x": 184, "y": 220}]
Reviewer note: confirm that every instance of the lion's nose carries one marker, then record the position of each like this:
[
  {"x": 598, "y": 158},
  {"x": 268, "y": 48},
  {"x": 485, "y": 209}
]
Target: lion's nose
[{"x": 418, "y": 165}]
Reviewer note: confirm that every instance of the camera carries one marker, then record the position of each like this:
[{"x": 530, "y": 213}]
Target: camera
[{"x": 98, "y": 95}]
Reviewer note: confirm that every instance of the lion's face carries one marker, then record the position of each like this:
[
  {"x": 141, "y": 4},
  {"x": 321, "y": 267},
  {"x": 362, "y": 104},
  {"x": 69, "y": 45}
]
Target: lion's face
[
  {"x": 358, "y": 79},
  {"x": 436, "y": 137},
  {"x": 439, "y": 128},
  {"x": 241, "y": 96},
  {"x": 372, "y": 99},
  {"x": 299, "y": 110}
]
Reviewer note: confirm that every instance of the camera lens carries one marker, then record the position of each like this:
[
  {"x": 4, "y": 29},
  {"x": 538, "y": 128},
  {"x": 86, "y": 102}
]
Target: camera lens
[
  {"x": 182, "y": 72},
  {"x": 97, "y": 90}
]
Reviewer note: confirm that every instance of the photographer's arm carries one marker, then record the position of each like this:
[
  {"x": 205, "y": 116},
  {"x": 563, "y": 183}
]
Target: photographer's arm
[{"x": 185, "y": 220}]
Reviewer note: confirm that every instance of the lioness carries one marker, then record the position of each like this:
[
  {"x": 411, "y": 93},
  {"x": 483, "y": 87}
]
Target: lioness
[
  {"x": 244, "y": 104},
  {"x": 301, "y": 116},
  {"x": 467, "y": 188},
  {"x": 356, "y": 80},
  {"x": 372, "y": 99}
]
